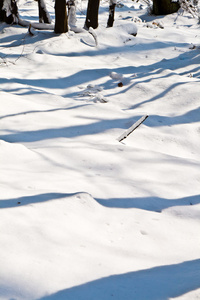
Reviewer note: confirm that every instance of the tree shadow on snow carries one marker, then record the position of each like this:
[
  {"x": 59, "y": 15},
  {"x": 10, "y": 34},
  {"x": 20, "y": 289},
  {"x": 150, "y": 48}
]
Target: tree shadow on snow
[
  {"x": 26, "y": 200},
  {"x": 159, "y": 283},
  {"x": 149, "y": 203},
  {"x": 94, "y": 126},
  {"x": 192, "y": 116},
  {"x": 23, "y": 38},
  {"x": 154, "y": 204},
  {"x": 43, "y": 111},
  {"x": 144, "y": 75},
  {"x": 91, "y": 128}
]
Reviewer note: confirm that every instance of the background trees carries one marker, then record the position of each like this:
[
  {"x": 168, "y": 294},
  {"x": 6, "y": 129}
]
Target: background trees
[
  {"x": 164, "y": 7},
  {"x": 61, "y": 20},
  {"x": 92, "y": 14},
  {"x": 2, "y": 12},
  {"x": 9, "y": 12},
  {"x": 111, "y": 13},
  {"x": 44, "y": 16}
]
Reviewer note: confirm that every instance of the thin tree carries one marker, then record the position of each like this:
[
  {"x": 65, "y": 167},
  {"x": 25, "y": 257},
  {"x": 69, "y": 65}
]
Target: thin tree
[
  {"x": 111, "y": 13},
  {"x": 61, "y": 20},
  {"x": 44, "y": 16},
  {"x": 2, "y": 12},
  {"x": 92, "y": 14},
  {"x": 164, "y": 7}
]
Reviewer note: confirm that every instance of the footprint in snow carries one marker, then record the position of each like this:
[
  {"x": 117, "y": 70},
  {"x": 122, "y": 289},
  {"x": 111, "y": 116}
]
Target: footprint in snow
[{"x": 93, "y": 92}]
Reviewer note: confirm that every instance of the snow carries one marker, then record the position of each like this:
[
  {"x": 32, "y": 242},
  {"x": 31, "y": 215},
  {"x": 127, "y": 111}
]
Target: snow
[{"x": 82, "y": 215}]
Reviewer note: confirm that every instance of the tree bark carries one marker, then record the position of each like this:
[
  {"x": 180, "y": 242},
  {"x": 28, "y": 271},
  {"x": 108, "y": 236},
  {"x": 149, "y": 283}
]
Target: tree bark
[
  {"x": 92, "y": 14},
  {"x": 164, "y": 7},
  {"x": 2, "y": 12},
  {"x": 111, "y": 13},
  {"x": 10, "y": 13},
  {"x": 61, "y": 22},
  {"x": 44, "y": 16}
]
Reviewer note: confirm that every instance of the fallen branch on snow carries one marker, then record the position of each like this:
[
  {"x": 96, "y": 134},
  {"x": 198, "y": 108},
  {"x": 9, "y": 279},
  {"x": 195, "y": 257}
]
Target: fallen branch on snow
[
  {"x": 39, "y": 26},
  {"x": 132, "y": 128}
]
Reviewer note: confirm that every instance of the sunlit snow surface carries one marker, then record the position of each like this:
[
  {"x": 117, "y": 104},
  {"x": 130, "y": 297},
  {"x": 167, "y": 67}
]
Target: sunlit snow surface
[{"x": 83, "y": 216}]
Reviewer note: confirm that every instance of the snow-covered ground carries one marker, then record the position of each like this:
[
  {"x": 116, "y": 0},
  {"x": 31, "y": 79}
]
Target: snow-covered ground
[{"x": 82, "y": 215}]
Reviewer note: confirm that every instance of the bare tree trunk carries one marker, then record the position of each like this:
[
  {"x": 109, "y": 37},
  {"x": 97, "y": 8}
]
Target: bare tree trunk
[
  {"x": 111, "y": 13},
  {"x": 44, "y": 16},
  {"x": 164, "y": 7},
  {"x": 14, "y": 11},
  {"x": 2, "y": 12},
  {"x": 9, "y": 13},
  {"x": 92, "y": 14},
  {"x": 61, "y": 23}
]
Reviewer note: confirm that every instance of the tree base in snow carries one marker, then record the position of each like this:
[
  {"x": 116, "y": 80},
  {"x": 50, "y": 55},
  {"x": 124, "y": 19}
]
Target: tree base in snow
[
  {"x": 92, "y": 14},
  {"x": 61, "y": 23},
  {"x": 164, "y": 7}
]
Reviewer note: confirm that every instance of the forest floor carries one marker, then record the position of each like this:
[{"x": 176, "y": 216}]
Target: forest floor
[{"x": 82, "y": 215}]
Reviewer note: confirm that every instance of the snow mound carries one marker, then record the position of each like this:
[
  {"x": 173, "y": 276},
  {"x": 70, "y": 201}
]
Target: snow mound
[
  {"x": 190, "y": 212},
  {"x": 71, "y": 202},
  {"x": 125, "y": 241},
  {"x": 84, "y": 201},
  {"x": 116, "y": 76},
  {"x": 44, "y": 226},
  {"x": 130, "y": 28},
  {"x": 13, "y": 152}
]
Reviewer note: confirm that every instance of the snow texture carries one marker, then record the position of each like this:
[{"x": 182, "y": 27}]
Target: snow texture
[{"x": 83, "y": 216}]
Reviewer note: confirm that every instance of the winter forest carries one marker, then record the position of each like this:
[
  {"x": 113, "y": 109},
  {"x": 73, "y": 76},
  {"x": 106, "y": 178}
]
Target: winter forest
[{"x": 99, "y": 150}]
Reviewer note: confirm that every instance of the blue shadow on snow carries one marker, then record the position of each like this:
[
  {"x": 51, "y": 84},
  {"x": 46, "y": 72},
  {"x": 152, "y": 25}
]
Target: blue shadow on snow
[
  {"x": 159, "y": 283},
  {"x": 149, "y": 203}
]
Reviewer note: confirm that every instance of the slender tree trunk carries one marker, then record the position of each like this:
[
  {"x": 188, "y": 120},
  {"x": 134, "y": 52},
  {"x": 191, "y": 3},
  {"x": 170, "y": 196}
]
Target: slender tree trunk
[
  {"x": 14, "y": 11},
  {"x": 164, "y": 7},
  {"x": 44, "y": 16},
  {"x": 2, "y": 12},
  {"x": 111, "y": 13},
  {"x": 61, "y": 23},
  {"x": 92, "y": 14}
]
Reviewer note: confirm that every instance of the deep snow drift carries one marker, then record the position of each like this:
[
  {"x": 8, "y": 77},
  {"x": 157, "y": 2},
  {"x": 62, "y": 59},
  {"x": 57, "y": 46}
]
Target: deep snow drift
[{"x": 83, "y": 216}]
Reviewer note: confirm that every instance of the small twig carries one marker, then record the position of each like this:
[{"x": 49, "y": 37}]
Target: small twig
[
  {"x": 132, "y": 128},
  {"x": 29, "y": 30}
]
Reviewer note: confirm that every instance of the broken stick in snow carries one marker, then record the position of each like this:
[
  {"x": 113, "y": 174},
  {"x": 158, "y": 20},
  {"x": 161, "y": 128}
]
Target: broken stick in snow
[{"x": 132, "y": 128}]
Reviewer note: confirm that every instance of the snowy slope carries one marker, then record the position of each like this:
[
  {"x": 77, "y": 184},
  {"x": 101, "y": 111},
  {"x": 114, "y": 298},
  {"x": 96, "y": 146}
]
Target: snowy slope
[{"x": 82, "y": 215}]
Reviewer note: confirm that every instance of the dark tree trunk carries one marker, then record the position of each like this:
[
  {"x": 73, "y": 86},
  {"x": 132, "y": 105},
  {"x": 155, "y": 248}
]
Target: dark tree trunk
[
  {"x": 61, "y": 23},
  {"x": 14, "y": 11},
  {"x": 13, "y": 17},
  {"x": 164, "y": 7},
  {"x": 2, "y": 12},
  {"x": 44, "y": 16},
  {"x": 111, "y": 13},
  {"x": 92, "y": 14}
]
